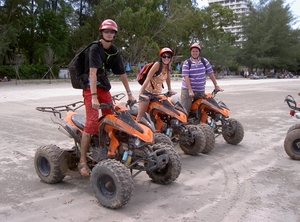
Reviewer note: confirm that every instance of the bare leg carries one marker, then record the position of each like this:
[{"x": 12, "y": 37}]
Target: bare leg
[
  {"x": 143, "y": 107},
  {"x": 82, "y": 165}
]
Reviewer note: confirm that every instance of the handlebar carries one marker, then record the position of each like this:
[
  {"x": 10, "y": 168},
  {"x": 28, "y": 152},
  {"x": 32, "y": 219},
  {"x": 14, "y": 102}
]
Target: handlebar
[
  {"x": 169, "y": 94},
  {"x": 156, "y": 96},
  {"x": 291, "y": 102},
  {"x": 118, "y": 97},
  {"x": 112, "y": 105},
  {"x": 214, "y": 92}
]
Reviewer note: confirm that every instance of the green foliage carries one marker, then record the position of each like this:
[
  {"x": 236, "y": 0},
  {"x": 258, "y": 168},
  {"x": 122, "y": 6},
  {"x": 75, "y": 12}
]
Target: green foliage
[
  {"x": 8, "y": 71},
  {"x": 271, "y": 43},
  {"x": 49, "y": 33}
]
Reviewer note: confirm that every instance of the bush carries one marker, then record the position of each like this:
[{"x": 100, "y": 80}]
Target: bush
[{"x": 8, "y": 71}]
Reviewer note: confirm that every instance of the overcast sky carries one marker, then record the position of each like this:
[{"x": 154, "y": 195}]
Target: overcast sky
[{"x": 294, "y": 6}]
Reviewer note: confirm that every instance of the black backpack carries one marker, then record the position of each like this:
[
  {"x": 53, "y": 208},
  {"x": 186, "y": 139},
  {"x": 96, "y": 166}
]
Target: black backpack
[{"x": 77, "y": 67}]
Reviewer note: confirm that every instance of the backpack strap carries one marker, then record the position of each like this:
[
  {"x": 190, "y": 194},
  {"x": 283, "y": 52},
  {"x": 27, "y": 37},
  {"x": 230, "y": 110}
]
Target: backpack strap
[
  {"x": 103, "y": 56},
  {"x": 190, "y": 63},
  {"x": 159, "y": 69},
  {"x": 88, "y": 46},
  {"x": 202, "y": 60}
]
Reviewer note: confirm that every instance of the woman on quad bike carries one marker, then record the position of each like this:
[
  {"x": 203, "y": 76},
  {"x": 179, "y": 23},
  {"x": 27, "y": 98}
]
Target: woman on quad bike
[
  {"x": 194, "y": 71},
  {"x": 153, "y": 84}
]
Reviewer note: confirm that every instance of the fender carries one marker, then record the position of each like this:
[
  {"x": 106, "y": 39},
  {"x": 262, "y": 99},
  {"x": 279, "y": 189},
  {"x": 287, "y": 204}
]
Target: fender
[
  {"x": 68, "y": 129},
  {"x": 167, "y": 108},
  {"x": 202, "y": 104},
  {"x": 207, "y": 104},
  {"x": 111, "y": 122}
]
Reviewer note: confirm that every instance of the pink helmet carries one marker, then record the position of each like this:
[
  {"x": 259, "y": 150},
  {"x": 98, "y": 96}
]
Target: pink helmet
[
  {"x": 195, "y": 45},
  {"x": 163, "y": 50},
  {"x": 109, "y": 24}
]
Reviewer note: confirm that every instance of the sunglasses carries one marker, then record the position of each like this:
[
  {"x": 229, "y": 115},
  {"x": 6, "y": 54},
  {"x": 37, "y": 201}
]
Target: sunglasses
[
  {"x": 109, "y": 31},
  {"x": 169, "y": 57}
]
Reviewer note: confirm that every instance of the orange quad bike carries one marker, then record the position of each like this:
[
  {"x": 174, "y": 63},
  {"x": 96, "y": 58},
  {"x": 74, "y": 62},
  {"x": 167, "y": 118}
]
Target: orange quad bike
[
  {"x": 170, "y": 118},
  {"x": 216, "y": 115},
  {"x": 292, "y": 139},
  {"x": 121, "y": 147}
]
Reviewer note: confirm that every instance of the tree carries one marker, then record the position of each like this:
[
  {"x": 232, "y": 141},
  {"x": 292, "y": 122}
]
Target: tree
[
  {"x": 270, "y": 41},
  {"x": 10, "y": 17},
  {"x": 217, "y": 44}
]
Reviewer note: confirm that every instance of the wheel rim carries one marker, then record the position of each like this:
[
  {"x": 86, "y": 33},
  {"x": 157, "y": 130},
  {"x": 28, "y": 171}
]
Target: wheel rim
[
  {"x": 296, "y": 146},
  {"x": 43, "y": 166},
  {"x": 106, "y": 186},
  {"x": 230, "y": 129},
  {"x": 190, "y": 144}
]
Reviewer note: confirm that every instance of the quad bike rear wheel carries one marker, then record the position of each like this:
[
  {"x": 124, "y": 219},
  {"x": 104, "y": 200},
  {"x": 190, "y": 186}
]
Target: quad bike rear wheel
[
  {"x": 197, "y": 144},
  {"x": 111, "y": 183},
  {"x": 47, "y": 164},
  {"x": 209, "y": 138},
  {"x": 292, "y": 144},
  {"x": 233, "y": 131},
  {"x": 172, "y": 168},
  {"x": 296, "y": 126}
]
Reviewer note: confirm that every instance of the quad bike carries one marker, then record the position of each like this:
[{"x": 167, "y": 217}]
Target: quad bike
[
  {"x": 216, "y": 115},
  {"x": 121, "y": 147},
  {"x": 292, "y": 139},
  {"x": 170, "y": 118}
]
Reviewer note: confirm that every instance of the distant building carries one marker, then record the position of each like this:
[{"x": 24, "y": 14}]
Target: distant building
[{"x": 239, "y": 7}]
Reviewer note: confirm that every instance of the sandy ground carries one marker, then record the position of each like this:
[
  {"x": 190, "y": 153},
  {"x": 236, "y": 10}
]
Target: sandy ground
[{"x": 253, "y": 181}]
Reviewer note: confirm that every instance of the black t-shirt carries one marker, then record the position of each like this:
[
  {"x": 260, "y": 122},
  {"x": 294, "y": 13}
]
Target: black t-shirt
[{"x": 113, "y": 59}]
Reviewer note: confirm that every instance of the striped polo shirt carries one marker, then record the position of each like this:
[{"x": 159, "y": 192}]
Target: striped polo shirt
[{"x": 197, "y": 74}]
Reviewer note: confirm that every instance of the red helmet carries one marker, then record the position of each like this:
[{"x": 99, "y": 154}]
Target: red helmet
[
  {"x": 109, "y": 24},
  {"x": 195, "y": 45},
  {"x": 163, "y": 50}
]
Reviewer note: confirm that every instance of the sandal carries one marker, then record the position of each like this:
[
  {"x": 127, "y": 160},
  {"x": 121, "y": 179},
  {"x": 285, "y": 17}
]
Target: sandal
[{"x": 84, "y": 170}]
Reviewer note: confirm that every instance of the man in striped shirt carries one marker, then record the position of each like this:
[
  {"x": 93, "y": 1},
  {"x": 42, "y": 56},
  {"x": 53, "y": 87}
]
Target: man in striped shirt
[{"x": 194, "y": 71}]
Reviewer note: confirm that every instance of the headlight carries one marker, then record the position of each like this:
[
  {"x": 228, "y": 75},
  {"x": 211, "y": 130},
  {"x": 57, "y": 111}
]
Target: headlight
[
  {"x": 174, "y": 122},
  {"x": 137, "y": 142},
  {"x": 218, "y": 117}
]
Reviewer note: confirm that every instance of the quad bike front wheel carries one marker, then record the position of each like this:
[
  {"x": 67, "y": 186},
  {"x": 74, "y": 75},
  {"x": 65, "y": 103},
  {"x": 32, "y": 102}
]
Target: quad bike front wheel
[
  {"x": 197, "y": 141},
  {"x": 209, "y": 137},
  {"x": 171, "y": 170},
  {"x": 292, "y": 144},
  {"x": 162, "y": 138},
  {"x": 233, "y": 131},
  {"x": 47, "y": 164},
  {"x": 296, "y": 126},
  {"x": 111, "y": 183}
]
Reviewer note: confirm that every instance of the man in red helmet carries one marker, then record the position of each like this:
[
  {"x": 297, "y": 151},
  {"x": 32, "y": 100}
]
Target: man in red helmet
[
  {"x": 194, "y": 73},
  {"x": 154, "y": 81},
  {"x": 101, "y": 57}
]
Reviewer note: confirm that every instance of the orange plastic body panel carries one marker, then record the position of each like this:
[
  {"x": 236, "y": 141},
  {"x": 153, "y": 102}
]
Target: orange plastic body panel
[
  {"x": 146, "y": 136},
  {"x": 159, "y": 123},
  {"x": 206, "y": 105}
]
